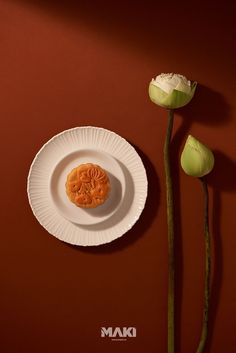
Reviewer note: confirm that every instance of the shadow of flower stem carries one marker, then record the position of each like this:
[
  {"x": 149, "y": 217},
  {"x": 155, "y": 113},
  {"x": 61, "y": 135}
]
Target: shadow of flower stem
[
  {"x": 204, "y": 332},
  {"x": 170, "y": 225}
]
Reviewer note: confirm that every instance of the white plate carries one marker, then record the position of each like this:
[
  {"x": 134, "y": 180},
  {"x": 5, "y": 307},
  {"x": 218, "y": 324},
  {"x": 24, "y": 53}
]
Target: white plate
[{"x": 47, "y": 177}]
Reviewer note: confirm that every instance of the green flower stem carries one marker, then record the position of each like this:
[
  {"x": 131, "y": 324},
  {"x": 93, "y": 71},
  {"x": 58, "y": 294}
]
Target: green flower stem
[
  {"x": 203, "y": 338},
  {"x": 170, "y": 225}
]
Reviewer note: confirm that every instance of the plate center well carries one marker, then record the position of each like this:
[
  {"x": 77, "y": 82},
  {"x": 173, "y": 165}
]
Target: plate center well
[{"x": 69, "y": 210}]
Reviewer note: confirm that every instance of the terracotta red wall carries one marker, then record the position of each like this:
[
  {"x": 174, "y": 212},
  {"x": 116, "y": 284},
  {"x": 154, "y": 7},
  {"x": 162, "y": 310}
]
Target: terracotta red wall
[{"x": 64, "y": 65}]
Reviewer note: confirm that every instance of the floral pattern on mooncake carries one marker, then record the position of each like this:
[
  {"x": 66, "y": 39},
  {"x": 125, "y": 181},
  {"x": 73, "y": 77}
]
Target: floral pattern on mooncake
[{"x": 87, "y": 185}]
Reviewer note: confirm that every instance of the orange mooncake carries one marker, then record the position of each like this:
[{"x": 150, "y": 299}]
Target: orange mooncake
[{"x": 88, "y": 185}]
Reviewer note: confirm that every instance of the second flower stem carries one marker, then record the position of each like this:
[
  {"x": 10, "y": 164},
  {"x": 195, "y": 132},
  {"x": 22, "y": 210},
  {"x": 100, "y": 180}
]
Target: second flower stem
[
  {"x": 170, "y": 225},
  {"x": 204, "y": 332}
]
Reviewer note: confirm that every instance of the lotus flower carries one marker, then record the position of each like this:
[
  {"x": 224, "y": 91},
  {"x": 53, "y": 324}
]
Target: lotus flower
[{"x": 171, "y": 91}]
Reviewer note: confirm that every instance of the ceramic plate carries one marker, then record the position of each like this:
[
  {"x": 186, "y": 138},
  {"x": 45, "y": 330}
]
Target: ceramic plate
[{"x": 48, "y": 198}]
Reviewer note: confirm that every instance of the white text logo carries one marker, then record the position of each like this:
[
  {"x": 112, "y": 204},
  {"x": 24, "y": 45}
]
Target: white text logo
[{"x": 118, "y": 333}]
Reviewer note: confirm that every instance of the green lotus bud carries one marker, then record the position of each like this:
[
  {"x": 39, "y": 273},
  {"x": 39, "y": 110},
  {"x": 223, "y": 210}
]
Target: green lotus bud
[
  {"x": 171, "y": 91},
  {"x": 196, "y": 159}
]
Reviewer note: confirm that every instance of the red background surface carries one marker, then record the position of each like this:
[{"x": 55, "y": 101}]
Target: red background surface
[{"x": 64, "y": 65}]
